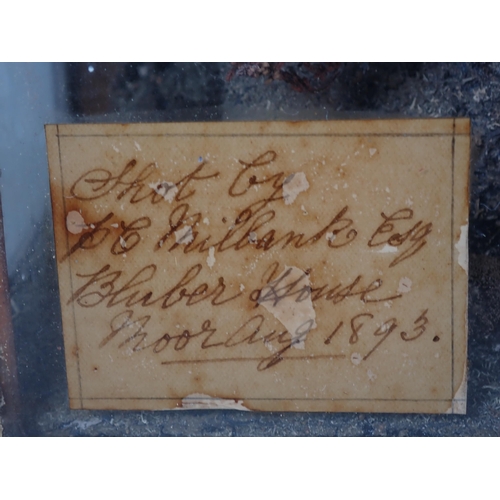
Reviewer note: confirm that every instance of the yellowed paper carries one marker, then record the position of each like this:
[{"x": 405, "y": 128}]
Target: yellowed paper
[{"x": 308, "y": 266}]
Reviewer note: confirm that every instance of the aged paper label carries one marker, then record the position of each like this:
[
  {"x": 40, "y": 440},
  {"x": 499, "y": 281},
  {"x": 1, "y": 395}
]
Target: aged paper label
[{"x": 309, "y": 266}]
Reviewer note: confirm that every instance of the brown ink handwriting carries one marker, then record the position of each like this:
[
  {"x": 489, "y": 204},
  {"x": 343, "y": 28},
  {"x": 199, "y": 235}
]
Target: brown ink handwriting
[
  {"x": 99, "y": 182},
  {"x": 415, "y": 236},
  {"x": 105, "y": 286}
]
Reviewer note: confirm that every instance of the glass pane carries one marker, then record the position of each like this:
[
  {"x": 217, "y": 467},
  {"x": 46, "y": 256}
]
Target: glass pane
[{"x": 32, "y": 363}]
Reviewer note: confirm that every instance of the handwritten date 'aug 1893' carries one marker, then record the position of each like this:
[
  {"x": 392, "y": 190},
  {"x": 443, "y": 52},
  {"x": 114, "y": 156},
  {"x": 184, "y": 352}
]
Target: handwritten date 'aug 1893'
[{"x": 135, "y": 335}]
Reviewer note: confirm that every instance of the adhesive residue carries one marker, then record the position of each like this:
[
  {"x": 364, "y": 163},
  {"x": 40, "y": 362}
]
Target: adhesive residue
[
  {"x": 205, "y": 402},
  {"x": 75, "y": 223},
  {"x": 166, "y": 189},
  {"x": 211, "y": 257},
  {"x": 288, "y": 298},
  {"x": 293, "y": 185},
  {"x": 184, "y": 235},
  {"x": 462, "y": 247},
  {"x": 404, "y": 285}
]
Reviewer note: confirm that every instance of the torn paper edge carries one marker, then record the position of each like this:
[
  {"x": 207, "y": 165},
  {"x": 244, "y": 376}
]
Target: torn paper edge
[
  {"x": 459, "y": 401},
  {"x": 462, "y": 247},
  {"x": 205, "y": 402}
]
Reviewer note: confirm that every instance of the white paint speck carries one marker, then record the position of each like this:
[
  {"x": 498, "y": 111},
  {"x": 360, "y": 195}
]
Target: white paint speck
[
  {"x": 372, "y": 151},
  {"x": 211, "y": 257},
  {"x": 388, "y": 249},
  {"x": 166, "y": 189},
  {"x": 293, "y": 185},
  {"x": 356, "y": 358},
  {"x": 330, "y": 236},
  {"x": 269, "y": 345}
]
